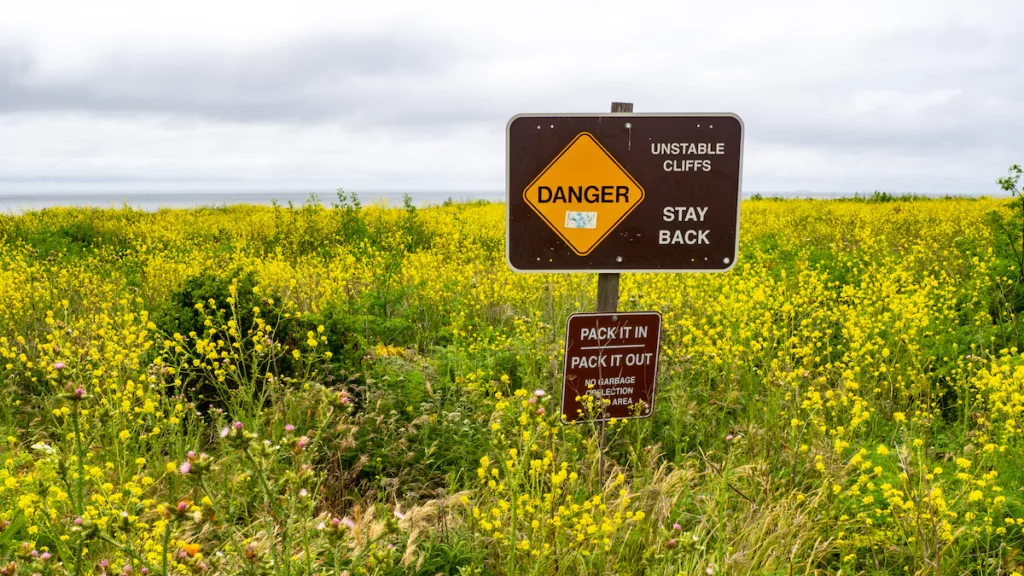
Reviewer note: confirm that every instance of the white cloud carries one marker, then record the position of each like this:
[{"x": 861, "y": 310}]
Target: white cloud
[{"x": 923, "y": 96}]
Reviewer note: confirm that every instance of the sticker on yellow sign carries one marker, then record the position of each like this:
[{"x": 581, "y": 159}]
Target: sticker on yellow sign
[{"x": 583, "y": 194}]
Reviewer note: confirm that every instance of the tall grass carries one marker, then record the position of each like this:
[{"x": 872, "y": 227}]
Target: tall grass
[{"x": 313, "y": 390}]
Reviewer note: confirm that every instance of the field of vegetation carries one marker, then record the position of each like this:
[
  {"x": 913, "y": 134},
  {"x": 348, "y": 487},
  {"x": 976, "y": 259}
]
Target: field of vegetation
[{"x": 346, "y": 389}]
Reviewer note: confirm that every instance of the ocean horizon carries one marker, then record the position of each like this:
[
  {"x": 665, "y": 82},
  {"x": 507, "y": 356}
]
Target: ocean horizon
[
  {"x": 25, "y": 201},
  {"x": 14, "y": 202}
]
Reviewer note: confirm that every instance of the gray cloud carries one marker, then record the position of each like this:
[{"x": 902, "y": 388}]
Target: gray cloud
[
  {"x": 315, "y": 79},
  {"x": 925, "y": 90},
  {"x": 914, "y": 89},
  {"x": 924, "y": 104}
]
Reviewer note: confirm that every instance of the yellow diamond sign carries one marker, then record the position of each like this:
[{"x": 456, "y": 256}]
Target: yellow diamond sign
[{"x": 583, "y": 194}]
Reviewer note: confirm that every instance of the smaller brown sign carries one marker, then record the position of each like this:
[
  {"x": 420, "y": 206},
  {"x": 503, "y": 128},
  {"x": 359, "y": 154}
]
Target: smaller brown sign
[{"x": 611, "y": 365}]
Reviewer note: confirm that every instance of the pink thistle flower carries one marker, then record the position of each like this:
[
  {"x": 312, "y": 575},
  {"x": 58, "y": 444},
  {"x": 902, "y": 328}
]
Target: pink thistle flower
[
  {"x": 185, "y": 468},
  {"x": 58, "y": 365}
]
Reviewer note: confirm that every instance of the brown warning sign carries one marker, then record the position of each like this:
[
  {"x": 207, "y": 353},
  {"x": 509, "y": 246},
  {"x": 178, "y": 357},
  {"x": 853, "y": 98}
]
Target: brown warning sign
[
  {"x": 623, "y": 192},
  {"x": 611, "y": 364}
]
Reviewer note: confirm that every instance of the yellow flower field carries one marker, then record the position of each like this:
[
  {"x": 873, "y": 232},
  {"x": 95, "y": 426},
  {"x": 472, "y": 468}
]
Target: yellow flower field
[{"x": 370, "y": 390}]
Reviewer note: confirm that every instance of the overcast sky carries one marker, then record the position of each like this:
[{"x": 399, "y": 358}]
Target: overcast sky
[{"x": 310, "y": 96}]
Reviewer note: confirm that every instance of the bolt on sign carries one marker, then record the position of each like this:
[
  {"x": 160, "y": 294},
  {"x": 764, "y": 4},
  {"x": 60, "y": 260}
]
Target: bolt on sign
[
  {"x": 611, "y": 364},
  {"x": 623, "y": 192}
]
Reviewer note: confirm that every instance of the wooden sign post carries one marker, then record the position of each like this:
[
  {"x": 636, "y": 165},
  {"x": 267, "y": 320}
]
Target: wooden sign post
[
  {"x": 607, "y": 299},
  {"x": 608, "y": 282}
]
